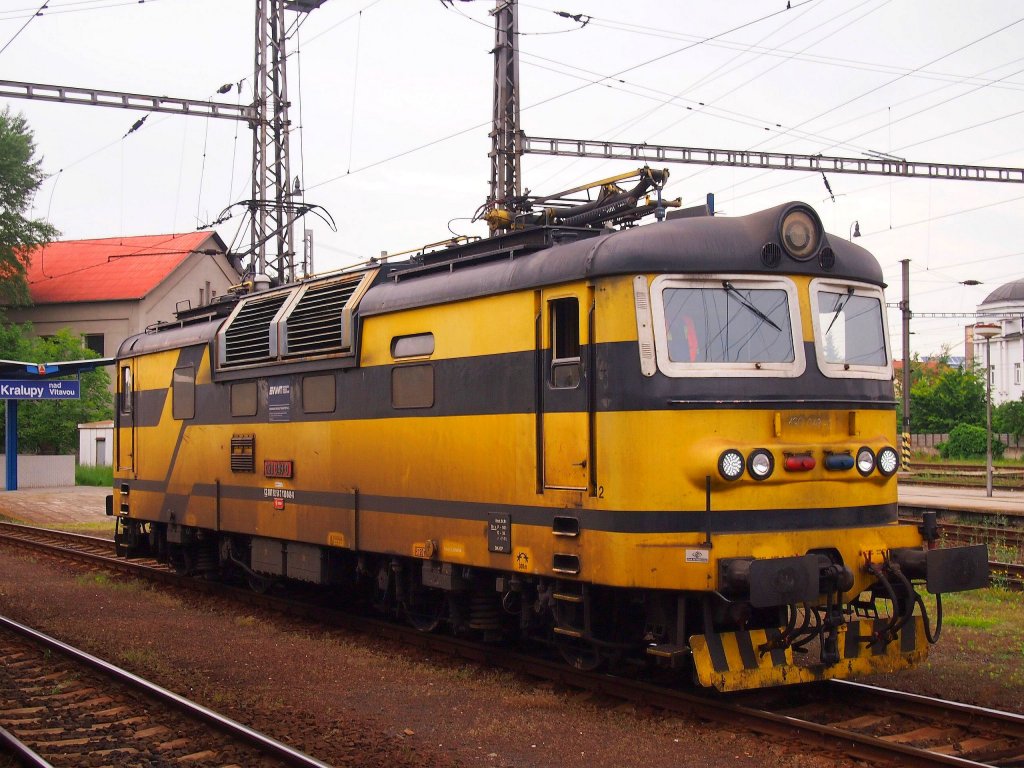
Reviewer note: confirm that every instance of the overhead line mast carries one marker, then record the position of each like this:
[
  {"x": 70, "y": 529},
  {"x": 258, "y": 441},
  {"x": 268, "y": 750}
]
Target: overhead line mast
[
  {"x": 508, "y": 208},
  {"x": 273, "y": 206}
]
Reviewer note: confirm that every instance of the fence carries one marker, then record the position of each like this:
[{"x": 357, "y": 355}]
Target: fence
[
  {"x": 43, "y": 471},
  {"x": 929, "y": 443}
]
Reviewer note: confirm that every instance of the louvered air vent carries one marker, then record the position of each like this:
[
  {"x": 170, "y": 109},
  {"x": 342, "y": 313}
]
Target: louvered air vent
[
  {"x": 314, "y": 326},
  {"x": 247, "y": 339}
]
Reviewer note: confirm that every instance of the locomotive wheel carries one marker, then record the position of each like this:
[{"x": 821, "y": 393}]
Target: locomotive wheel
[
  {"x": 425, "y": 608},
  {"x": 580, "y": 654}
]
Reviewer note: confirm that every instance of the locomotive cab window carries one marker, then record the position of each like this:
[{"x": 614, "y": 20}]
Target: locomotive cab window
[
  {"x": 726, "y": 326},
  {"x": 850, "y": 330},
  {"x": 565, "y": 343},
  {"x": 126, "y": 389},
  {"x": 183, "y": 392}
]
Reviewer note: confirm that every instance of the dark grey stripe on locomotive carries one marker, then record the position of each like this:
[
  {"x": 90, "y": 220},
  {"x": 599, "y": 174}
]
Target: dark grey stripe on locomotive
[
  {"x": 716, "y": 651},
  {"x": 908, "y": 636},
  {"x": 778, "y": 654},
  {"x": 148, "y": 406},
  {"x": 506, "y": 384},
  {"x": 745, "y": 645},
  {"x": 608, "y": 521},
  {"x": 852, "y": 646}
]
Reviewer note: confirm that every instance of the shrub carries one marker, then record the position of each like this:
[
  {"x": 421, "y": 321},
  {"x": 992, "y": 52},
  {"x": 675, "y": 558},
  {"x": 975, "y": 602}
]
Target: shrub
[
  {"x": 102, "y": 476},
  {"x": 967, "y": 441}
]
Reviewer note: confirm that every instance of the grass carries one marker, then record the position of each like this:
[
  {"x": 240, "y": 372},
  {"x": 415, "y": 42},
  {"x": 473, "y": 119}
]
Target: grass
[
  {"x": 989, "y": 635},
  {"x": 99, "y": 476},
  {"x": 104, "y": 527},
  {"x": 104, "y": 580}
]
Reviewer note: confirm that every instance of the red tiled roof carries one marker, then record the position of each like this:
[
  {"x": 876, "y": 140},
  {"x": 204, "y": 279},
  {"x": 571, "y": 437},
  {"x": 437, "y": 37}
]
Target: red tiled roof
[{"x": 109, "y": 269}]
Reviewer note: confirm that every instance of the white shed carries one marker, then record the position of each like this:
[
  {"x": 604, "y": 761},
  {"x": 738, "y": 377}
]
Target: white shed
[{"x": 96, "y": 444}]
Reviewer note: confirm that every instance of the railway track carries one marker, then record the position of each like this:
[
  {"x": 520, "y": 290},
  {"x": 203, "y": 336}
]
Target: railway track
[
  {"x": 863, "y": 722},
  {"x": 60, "y": 706}
]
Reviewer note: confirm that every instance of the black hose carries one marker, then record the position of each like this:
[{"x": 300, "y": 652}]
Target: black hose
[
  {"x": 933, "y": 639},
  {"x": 874, "y": 637},
  {"x": 908, "y": 611}
]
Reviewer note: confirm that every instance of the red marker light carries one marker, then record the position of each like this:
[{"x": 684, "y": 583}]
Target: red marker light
[{"x": 801, "y": 463}]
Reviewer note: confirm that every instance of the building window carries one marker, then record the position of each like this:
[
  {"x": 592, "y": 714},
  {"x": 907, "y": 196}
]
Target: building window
[
  {"x": 1016, "y": 373},
  {"x": 183, "y": 392},
  {"x": 318, "y": 394},
  {"x": 94, "y": 341},
  {"x": 243, "y": 398}
]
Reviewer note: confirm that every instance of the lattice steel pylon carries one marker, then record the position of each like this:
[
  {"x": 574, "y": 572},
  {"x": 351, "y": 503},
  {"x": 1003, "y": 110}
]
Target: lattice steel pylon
[
  {"x": 272, "y": 208},
  {"x": 506, "y": 152}
]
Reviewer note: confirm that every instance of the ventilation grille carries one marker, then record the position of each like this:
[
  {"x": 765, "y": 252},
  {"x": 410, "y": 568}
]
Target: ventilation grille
[
  {"x": 827, "y": 258},
  {"x": 771, "y": 255},
  {"x": 247, "y": 339},
  {"x": 314, "y": 325},
  {"x": 243, "y": 453}
]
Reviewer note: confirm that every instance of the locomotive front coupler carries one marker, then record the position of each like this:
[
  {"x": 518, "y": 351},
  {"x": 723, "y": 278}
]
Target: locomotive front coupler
[
  {"x": 947, "y": 569},
  {"x": 779, "y": 581}
]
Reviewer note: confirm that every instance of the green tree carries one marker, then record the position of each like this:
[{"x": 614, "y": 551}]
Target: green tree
[
  {"x": 20, "y": 176},
  {"x": 51, "y": 426},
  {"x": 940, "y": 402},
  {"x": 1009, "y": 417}
]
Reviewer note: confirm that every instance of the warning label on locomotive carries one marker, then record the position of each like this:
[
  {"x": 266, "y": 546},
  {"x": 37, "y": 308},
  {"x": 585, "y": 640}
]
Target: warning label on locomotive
[
  {"x": 698, "y": 556},
  {"x": 521, "y": 561},
  {"x": 499, "y": 533}
]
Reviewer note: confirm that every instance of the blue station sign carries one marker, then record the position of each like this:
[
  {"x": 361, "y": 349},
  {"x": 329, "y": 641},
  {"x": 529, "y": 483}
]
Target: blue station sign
[{"x": 22, "y": 389}]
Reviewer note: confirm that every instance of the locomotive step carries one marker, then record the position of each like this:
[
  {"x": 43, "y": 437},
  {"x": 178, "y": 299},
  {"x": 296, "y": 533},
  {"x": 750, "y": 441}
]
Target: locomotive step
[
  {"x": 568, "y": 632},
  {"x": 567, "y": 598}
]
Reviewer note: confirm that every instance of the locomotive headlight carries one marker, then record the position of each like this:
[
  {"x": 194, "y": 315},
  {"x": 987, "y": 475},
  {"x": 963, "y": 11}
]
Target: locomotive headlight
[
  {"x": 801, "y": 234},
  {"x": 865, "y": 461},
  {"x": 888, "y": 461},
  {"x": 760, "y": 464},
  {"x": 730, "y": 464}
]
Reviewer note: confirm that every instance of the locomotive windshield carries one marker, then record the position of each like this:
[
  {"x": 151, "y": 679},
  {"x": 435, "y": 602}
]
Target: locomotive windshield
[
  {"x": 738, "y": 326},
  {"x": 851, "y": 337}
]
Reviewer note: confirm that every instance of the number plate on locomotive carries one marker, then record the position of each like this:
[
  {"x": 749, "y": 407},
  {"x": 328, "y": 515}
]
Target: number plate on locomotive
[{"x": 277, "y": 468}]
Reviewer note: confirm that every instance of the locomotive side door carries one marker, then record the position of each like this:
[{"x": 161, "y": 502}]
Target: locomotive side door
[
  {"x": 564, "y": 388},
  {"x": 126, "y": 414}
]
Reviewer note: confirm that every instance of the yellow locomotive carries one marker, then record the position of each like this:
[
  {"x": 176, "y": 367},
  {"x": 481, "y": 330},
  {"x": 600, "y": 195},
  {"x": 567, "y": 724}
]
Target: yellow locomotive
[{"x": 672, "y": 443}]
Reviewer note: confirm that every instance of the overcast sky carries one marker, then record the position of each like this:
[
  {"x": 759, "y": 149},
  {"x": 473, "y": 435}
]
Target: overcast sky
[{"x": 391, "y": 105}]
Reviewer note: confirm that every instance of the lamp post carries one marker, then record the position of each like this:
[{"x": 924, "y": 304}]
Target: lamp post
[
  {"x": 987, "y": 331},
  {"x": 854, "y": 230}
]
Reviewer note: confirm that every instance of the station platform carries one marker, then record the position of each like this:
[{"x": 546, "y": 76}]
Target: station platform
[
  {"x": 1008, "y": 503},
  {"x": 80, "y": 504}
]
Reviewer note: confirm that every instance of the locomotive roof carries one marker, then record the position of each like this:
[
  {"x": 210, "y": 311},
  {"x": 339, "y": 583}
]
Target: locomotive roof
[
  {"x": 683, "y": 246},
  {"x": 693, "y": 245}
]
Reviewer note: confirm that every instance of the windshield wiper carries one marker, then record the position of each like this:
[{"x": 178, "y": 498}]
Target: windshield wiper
[
  {"x": 730, "y": 288},
  {"x": 839, "y": 308}
]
